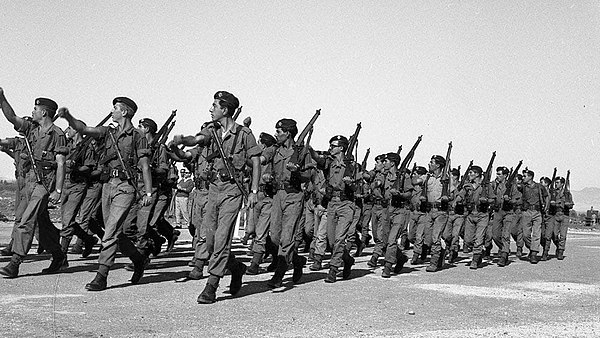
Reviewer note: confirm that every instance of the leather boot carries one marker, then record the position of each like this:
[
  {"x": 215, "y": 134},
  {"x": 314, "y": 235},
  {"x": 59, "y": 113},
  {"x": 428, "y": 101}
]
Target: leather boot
[
  {"x": 299, "y": 263},
  {"x": 440, "y": 261},
  {"x": 544, "y": 255},
  {"x": 415, "y": 259},
  {"x": 475, "y": 262},
  {"x": 140, "y": 262},
  {"x": 332, "y": 275},
  {"x": 316, "y": 265},
  {"x": 238, "y": 269},
  {"x": 360, "y": 246},
  {"x": 196, "y": 272},
  {"x": 372, "y": 263},
  {"x": 99, "y": 282},
  {"x": 452, "y": 256},
  {"x": 254, "y": 264},
  {"x": 209, "y": 294},
  {"x": 424, "y": 252},
  {"x": 387, "y": 270},
  {"x": 311, "y": 255},
  {"x": 59, "y": 261},
  {"x": 503, "y": 259},
  {"x": 348, "y": 262},
  {"x": 519, "y": 253},
  {"x": 533, "y": 258},
  {"x": 64, "y": 244},
  {"x": 400, "y": 261},
  {"x": 277, "y": 280},
  {"x": 77, "y": 248},
  {"x": 171, "y": 241},
  {"x": 560, "y": 255},
  {"x": 12, "y": 269},
  {"x": 7, "y": 251},
  {"x": 89, "y": 246}
]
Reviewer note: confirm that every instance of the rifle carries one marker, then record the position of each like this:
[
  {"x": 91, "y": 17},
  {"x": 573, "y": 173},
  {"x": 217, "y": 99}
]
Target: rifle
[
  {"x": 364, "y": 162},
  {"x": 568, "y": 181},
  {"x": 38, "y": 176},
  {"x": 227, "y": 162},
  {"x": 463, "y": 180},
  {"x": 485, "y": 183},
  {"x": 82, "y": 148},
  {"x": 237, "y": 113},
  {"x": 445, "y": 179},
  {"x": 399, "y": 150},
  {"x": 353, "y": 141},
  {"x": 407, "y": 160},
  {"x": 506, "y": 205},
  {"x": 165, "y": 136},
  {"x": 162, "y": 130},
  {"x": 126, "y": 169},
  {"x": 298, "y": 145}
]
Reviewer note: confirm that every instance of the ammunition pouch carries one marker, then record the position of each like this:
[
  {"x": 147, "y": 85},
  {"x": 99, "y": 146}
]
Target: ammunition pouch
[
  {"x": 288, "y": 187},
  {"x": 268, "y": 189},
  {"x": 507, "y": 206},
  {"x": 552, "y": 210},
  {"x": 459, "y": 209},
  {"x": 46, "y": 167},
  {"x": 424, "y": 207},
  {"x": 397, "y": 201},
  {"x": 483, "y": 207}
]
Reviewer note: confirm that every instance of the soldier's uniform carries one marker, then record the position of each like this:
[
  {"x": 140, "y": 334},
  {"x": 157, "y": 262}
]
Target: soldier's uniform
[
  {"x": 419, "y": 231},
  {"x": 504, "y": 216},
  {"x": 379, "y": 213},
  {"x": 287, "y": 205},
  {"x": 477, "y": 217},
  {"x": 561, "y": 201},
  {"x": 199, "y": 200},
  {"x": 45, "y": 146},
  {"x": 534, "y": 196}
]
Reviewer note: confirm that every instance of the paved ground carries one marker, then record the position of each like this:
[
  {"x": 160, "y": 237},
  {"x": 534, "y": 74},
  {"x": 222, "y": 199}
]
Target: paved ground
[{"x": 551, "y": 299}]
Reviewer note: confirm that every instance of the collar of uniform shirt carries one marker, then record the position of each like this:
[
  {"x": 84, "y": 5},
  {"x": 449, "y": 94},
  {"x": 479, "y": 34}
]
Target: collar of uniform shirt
[{"x": 231, "y": 130}]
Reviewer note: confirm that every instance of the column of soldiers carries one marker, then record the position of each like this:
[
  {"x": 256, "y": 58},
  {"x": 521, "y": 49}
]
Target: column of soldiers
[{"x": 116, "y": 183}]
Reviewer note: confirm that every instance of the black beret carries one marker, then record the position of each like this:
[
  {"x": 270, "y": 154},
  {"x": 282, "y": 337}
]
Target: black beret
[
  {"x": 380, "y": 157},
  {"x": 266, "y": 139},
  {"x": 42, "y": 101},
  {"x": 439, "y": 160},
  {"x": 561, "y": 179},
  {"x": 340, "y": 139},
  {"x": 476, "y": 169},
  {"x": 420, "y": 170},
  {"x": 531, "y": 173},
  {"x": 229, "y": 98},
  {"x": 503, "y": 169},
  {"x": 455, "y": 172},
  {"x": 394, "y": 157},
  {"x": 285, "y": 124},
  {"x": 126, "y": 101},
  {"x": 150, "y": 124}
]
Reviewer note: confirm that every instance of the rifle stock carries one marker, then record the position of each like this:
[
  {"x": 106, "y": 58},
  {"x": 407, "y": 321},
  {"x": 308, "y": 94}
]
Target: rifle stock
[
  {"x": 487, "y": 177},
  {"x": 364, "y": 161},
  {"x": 446, "y": 172},
  {"x": 237, "y": 113},
  {"x": 353, "y": 141},
  {"x": 163, "y": 129}
]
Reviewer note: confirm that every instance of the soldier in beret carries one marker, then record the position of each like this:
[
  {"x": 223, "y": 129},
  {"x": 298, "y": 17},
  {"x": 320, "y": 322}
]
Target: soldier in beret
[
  {"x": 122, "y": 161},
  {"x": 340, "y": 210},
  {"x": 535, "y": 200},
  {"x": 45, "y": 182},
  {"x": 504, "y": 215},
  {"x": 379, "y": 212},
  {"x": 224, "y": 194},
  {"x": 561, "y": 201},
  {"x": 397, "y": 191},
  {"x": 418, "y": 176},
  {"x": 456, "y": 218},
  {"x": 288, "y": 165}
]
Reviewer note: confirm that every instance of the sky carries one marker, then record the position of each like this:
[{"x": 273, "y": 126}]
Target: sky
[{"x": 521, "y": 78}]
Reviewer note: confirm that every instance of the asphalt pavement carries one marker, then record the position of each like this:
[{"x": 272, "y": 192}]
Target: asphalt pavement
[{"x": 550, "y": 299}]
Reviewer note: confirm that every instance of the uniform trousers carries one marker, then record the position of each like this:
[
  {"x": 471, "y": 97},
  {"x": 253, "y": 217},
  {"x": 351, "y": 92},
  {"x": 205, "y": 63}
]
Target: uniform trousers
[
  {"x": 476, "y": 223},
  {"x": 340, "y": 215},
  {"x": 531, "y": 223},
  {"x": 398, "y": 219},
  {"x": 286, "y": 210}
]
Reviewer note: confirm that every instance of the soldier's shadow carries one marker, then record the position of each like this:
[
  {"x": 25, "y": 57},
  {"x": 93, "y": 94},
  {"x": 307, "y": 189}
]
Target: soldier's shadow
[{"x": 157, "y": 277}]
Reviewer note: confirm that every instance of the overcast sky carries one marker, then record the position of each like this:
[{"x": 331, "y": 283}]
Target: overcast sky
[{"x": 518, "y": 77}]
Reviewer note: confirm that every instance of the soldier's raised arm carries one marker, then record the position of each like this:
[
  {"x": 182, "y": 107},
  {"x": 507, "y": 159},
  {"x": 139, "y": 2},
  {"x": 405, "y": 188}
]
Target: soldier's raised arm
[
  {"x": 79, "y": 125},
  {"x": 8, "y": 111}
]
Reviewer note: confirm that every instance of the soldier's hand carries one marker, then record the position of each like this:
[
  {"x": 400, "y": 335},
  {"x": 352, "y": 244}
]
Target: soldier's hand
[
  {"x": 146, "y": 200},
  {"x": 347, "y": 179},
  {"x": 177, "y": 139},
  {"x": 63, "y": 112},
  {"x": 292, "y": 166},
  {"x": 252, "y": 200},
  {"x": 1, "y": 92},
  {"x": 505, "y": 197},
  {"x": 69, "y": 163},
  {"x": 54, "y": 197}
]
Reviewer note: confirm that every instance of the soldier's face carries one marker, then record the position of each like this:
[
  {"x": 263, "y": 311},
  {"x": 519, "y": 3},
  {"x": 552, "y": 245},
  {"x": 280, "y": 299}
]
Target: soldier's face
[
  {"x": 387, "y": 164},
  {"x": 527, "y": 179},
  {"x": 216, "y": 111},
  {"x": 118, "y": 112},
  {"x": 335, "y": 149},
  {"x": 143, "y": 129},
  {"x": 500, "y": 176},
  {"x": 37, "y": 114},
  {"x": 432, "y": 165},
  {"x": 558, "y": 185},
  {"x": 472, "y": 175},
  {"x": 378, "y": 165},
  {"x": 281, "y": 135}
]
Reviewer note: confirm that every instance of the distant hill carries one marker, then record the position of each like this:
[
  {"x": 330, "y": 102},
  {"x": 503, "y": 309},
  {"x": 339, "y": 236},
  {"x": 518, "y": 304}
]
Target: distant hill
[{"x": 586, "y": 198}]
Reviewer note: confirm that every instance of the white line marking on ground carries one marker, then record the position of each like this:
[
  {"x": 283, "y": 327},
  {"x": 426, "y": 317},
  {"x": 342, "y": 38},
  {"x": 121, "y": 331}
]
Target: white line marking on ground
[{"x": 8, "y": 299}]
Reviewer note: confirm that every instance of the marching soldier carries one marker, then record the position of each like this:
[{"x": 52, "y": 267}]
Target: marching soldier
[
  {"x": 456, "y": 218},
  {"x": 232, "y": 146},
  {"x": 44, "y": 182},
  {"x": 504, "y": 195},
  {"x": 535, "y": 200},
  {"x": 477, "y": 214},
  {"x": 126, "y": 152},
  {"x": 379, "y": 212},
  {"x": 561, "y": 202}
]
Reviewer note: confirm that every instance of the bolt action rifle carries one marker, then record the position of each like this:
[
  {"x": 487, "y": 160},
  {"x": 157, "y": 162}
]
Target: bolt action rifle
[
  {"x": 485, "y": 185},
  {"x": 237, "y": 113},
  {"x": 445, "y": 179},
  {"x": 128, "y": 174},
  {"x": 299, "y": 154},
  {"x": 79, "y": 152},
  {"x": 506, "y": 203},
  {"x": 227, "y": 162}
]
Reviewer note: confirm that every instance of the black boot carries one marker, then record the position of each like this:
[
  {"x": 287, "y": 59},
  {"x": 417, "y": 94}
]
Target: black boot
[
  {"x": 99, "y": 282},
  {"x": 209, "y": 294},
  {"x": 277, "y": 280},
  {"x": 171, "y": 241},
  {"x": 519, "y": 253},
  {"x": 533, "y": 258},
  {"x": 299, "y": 263},
  {"x": 59, "y": 261},
  {"x": 77, "y": 248},
  {"x": 254, "y": 264},
  {"x": 238, "y": 269},
  {"x": 316, "y": 265},
  {"x": 475, "y": 262},
  {"x": 441, "y": 259},
  {"x": 12, "y": 269},
  {"x": 544, "y": 255},
  {"x": 400, "y": 261},
  {"x": 348, "y": 262},
  {"x": 487, "y": 253},
  {"x": 387, "y": 270},
  {"x": 140, "y": 262},
  {"x": 416, "y": 259},
  {"x": 452, "y": 256},
  {"x": 360, "y": 246},
  {"x": 196, "y": 272},
  {"x": 503, "y": 259},
  {"x": 332, "y": 275},
  {"x": 89, "y": 246},
  {"x": 372, "y": 263},
  {"x": 560, "y": 254}
]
